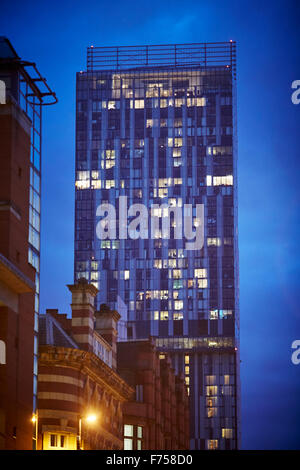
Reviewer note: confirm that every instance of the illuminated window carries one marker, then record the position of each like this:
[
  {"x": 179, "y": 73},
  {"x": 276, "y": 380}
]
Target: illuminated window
[
  {"x": 177, "y": 316},
  {"x": 178, "y": 304},
  {"x": 105, "y": 243},
  {"x": 128, "y": 444},
  {"x": 213, "y": 315},
  {"x": 133, "y": 437},
  {"x": 187, "y": 370},
  {"x": 212, "y": 412},
  {"x": 208, "y": 180},
  {"x": 177, "y": 181},
  {"x": 109, "y": 184},
  {"x": 162, "y": 192},
  {"x": 202, "y": 283},
  {"x": 137, "y": 104},
  {"x": 110, "y": 154},
  {"x": 223, "y": 180},
  {"x": 211, "y": 402},
  {"x": 211, "y": 390},
  {"x": 177, "y": 273},
  {"x": 158, "y": 263},
  {"x": 200, "y": 273},
  {"x": 186, "y": 359},
  {"x": 95, "y": 184},
  {"x": 176, "y": 152},
  {"x": 213, "y": 242},
  {"x": 212, "y": 444},
  {"x": 178, "y": 142},
  {"x": 179, "y": 102},
  {"x": 226, "y": 379},
  {"x": 187, "y": 380},
  {"x": 210, "y": 379},
  {"x": 227, "y": 433}
]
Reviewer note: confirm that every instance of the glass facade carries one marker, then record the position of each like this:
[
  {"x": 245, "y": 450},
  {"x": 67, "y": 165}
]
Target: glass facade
[{"x": 166, "y": 135}]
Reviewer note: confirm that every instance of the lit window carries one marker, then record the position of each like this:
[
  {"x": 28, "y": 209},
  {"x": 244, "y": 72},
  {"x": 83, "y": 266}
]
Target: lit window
[
  {"x": 212, "y": 412},
  {"x": 226, "y": 379},
  {"x": 208, "y": 180},
  {"x": 186, "y": 359},
  {"x": 213, "y": 242},
  {"x": 223, "y": 180},
  {"x": 200, "y": 273},
  {"x": 177, "y": 274},
  {"x": 227, "y": 433},
  {"x": 128, "y": 430},
  {"x": 202, "y": 283},
  {"x": 213, "y": 315},
  {"x": 211, "y": 390},
  {"x": 212, "y": 444},
  {"x": 178, "y": 304},
  {"x": 211, "y": 379},
  {"x": 177, "y": 316},
  {"x": 128, "y": 445}
]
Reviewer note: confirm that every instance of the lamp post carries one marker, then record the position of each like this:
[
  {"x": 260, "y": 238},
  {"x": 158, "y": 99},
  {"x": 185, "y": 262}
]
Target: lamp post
[
  {"x": 34, "y": 420},
  {"x": 90, "y": 419}
]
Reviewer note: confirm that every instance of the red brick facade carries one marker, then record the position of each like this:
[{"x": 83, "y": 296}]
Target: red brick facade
[
  {"x": 16, "y": 281},
  {"x": 78, "y": 378},
  {"x": 161, "y": 405}
]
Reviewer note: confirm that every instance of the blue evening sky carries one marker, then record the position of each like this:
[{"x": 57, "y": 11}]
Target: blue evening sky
[{"x": 55, "y": 35}]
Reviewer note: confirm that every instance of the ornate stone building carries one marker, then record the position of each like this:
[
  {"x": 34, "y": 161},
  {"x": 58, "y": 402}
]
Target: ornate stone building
[{"x": 80, "y": 395}]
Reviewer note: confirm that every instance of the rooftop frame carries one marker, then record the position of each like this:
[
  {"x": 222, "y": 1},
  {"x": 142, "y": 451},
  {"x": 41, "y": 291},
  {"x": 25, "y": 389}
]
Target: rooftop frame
[{"x": 213, "y": 54}]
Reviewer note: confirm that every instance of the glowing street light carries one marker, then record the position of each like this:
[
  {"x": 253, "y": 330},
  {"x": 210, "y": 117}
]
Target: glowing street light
[
  {"x": 90, "y": 419},
  {"x": 34, "y": 420}
]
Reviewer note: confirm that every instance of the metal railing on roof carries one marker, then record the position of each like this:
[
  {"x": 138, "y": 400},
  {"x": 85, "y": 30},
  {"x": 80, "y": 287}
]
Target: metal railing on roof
[{"x": 218, "y": 54}]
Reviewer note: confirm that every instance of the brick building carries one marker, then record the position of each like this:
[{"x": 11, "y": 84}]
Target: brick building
[
  {"x": 85, "y": 401},
  {"x": 17, "y": 278},
  {"x": 158, "y": 418},
  {"x": 80, "y": 395},
  {"x": 23, "y": 91}
]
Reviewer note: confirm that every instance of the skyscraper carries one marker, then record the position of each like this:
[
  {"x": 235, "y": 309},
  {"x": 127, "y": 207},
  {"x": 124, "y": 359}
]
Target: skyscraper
[{"x": 156, "y": 139}]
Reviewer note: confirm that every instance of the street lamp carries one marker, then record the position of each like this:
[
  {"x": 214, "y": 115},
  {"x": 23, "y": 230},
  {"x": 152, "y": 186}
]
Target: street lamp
[
  {"x": 34, "y": 420},
  {"x": 90, "y": 419}
]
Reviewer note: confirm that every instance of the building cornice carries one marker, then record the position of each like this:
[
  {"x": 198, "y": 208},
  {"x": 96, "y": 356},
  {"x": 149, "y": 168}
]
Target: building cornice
[{"x": 89, "y": 363}]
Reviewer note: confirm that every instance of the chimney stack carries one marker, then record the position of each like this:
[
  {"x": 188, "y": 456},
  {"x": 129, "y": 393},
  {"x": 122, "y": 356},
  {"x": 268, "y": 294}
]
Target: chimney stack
[{"x": 83, "y": 295}]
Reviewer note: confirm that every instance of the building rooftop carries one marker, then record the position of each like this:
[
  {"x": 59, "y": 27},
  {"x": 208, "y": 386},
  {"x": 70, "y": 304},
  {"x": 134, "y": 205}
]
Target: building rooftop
[{"x": 164, "y": 55}]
